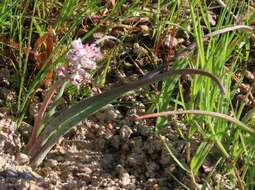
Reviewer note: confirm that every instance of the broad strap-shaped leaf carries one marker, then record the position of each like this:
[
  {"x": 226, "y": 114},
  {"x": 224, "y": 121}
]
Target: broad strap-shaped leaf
[{"x": 66, "y": 119}]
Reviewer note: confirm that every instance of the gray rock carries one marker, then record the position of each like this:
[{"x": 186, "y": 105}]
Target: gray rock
[
  {"x": 119, "y": 169},
  {"x": 107, "y": 161},
  {"x": 136, "y": 144},
  {"x": 51, "y": 163},
  {"x": 144, "y": 130},
  {"x": 115, "y": 141},
  {"x": 25, "y": 129},
  {"x": 123, "y": 175},
  {"x": 5, "y": 77},
  {"x": 152, "y": 145},
  {"x": 125, "y": 132},
  {"x": 152, "y": 184},
  {"x": 152, "y": 168},
  {"x": 7, "y": 95},
  {"x": 135, "y": 159},
  {"x": 107, "y": 113}
]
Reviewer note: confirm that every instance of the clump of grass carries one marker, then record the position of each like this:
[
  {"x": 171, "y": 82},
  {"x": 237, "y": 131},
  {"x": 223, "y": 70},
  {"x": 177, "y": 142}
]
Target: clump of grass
[{"x": 215, "y": 56}]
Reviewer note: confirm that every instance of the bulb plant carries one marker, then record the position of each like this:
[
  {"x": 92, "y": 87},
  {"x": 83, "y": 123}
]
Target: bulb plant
[
  {"x": 80, "y": 61},
  {"x": 221, "y": 41},
  {"x": 50, "y": 126}
]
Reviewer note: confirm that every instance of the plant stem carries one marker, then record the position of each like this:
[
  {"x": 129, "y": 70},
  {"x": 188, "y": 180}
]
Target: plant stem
[
  {"x": 199, "y": 112},
  {"x": 41, "y": 112}
]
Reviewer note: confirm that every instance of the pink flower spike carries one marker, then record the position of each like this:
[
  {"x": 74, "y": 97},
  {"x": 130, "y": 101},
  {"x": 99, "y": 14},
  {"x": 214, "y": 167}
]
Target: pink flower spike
[
  {"x": 92, "y": 52},
  {"x": 76, "y": 79},
  {"x": 87, "y": 63},
  {"x": 77, "y": 44},
  {"x": 61, "y": 71},
  {"x": 82, "y": 59},
  {"x": 78, "y": 47},
  {"x": 72, "y": 56}
]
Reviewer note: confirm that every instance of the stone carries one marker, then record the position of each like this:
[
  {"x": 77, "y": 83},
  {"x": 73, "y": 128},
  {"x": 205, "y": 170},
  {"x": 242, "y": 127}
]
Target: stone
[
  {"x": 125, "y": 179},
  {"x": 115, "y": 141},
  {"x": 2, "y": 163},
  {"x": 125, "y": 132},
  {"x": 22, "y": 159},
  {"x": 5, "y": 77},
  {"x": 7, "y": 95}
]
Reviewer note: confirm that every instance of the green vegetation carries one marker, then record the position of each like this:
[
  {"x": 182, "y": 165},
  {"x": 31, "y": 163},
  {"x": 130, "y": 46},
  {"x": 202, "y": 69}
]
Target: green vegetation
[{"x": 213, "y": 36}]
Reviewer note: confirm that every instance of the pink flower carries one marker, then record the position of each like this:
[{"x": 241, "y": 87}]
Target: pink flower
[
  {"x": 88, "y": 63},
  {"x": 81, "y": 59},
  {"x": 92, "y": 52},
  {"x": 77, "y": 44},
  {"x": 76, "y": 79},
  {"x": 72, "y": 56},
  {"x": 61, "y": 71},
  {"x": 83, "y": 54}
]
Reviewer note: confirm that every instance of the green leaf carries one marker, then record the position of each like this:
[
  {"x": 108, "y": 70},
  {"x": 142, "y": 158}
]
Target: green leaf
[{"x": 66, "y": 119}]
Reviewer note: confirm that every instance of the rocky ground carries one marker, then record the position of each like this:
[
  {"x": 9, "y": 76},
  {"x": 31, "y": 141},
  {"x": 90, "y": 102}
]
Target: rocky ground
[{"x": 106, "y": 151}]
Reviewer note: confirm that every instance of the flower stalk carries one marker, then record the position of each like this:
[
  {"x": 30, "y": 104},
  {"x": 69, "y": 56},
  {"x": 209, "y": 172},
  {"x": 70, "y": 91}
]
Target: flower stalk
[{"x": 81, "y": 59}]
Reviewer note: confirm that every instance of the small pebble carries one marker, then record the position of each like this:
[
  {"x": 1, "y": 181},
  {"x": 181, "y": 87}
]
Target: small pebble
[
  {"x": 115, "y": 141},
  {"x": 249, "y": 75},
  {"x": 84, "y": 169},
  {"x": 5, "y": 77},
  {"x": 7, "y": 95},
  {"x": 51, "y": 162},
  {"x": 244, "y": 88},
  {"x": 125, "y": 179},
  {"x": 22, "y": 159},
  {"x": 125, "y": 132}
]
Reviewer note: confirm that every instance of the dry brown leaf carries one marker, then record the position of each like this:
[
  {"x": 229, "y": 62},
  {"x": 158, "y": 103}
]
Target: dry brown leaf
[{"x": 43, "y": 48}]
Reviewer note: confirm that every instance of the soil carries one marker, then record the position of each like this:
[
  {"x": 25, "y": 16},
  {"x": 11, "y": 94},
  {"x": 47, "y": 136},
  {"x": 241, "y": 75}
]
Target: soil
[{"x": 106, "y": 151}]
